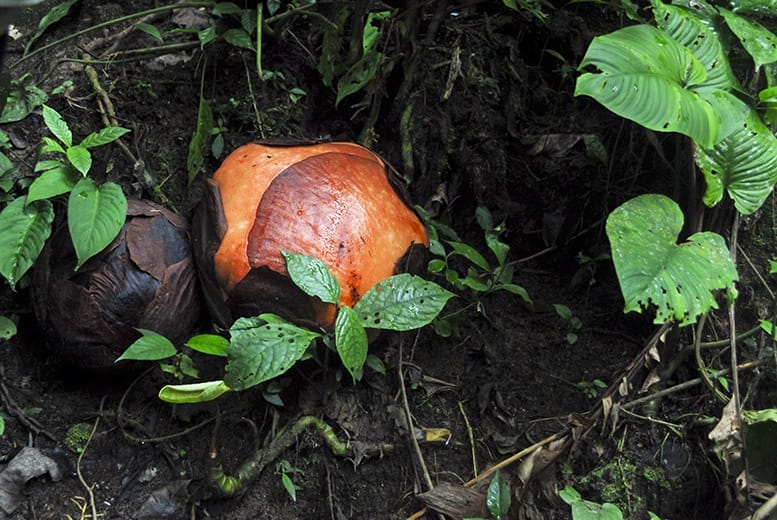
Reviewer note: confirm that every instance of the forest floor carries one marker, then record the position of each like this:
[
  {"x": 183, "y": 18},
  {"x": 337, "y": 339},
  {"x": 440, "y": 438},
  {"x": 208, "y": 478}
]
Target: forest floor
[{"x": 492, "y": 123}]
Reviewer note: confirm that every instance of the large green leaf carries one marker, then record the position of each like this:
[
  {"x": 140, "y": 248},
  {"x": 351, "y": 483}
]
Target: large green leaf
[
  {"x": 757, "y": 7},
  {"x": 261, "y": 349},
  {"x": 401, "y": 302},
  {"x": 648, "y": 77},
  {"x": 95, "y": 215},
  {"x": 24, "y": 229},
  {"x": 351, "y": 341},
  {"x": 701, "y": 38},
  {"x": 312, "y": 276},
  {"x": 759, "y": 42},
  {"x": 652, "y": 268},
  {"x": 744, "y": 164}
]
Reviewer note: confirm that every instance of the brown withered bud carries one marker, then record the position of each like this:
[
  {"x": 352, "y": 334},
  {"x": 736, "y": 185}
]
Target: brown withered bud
[
  {"x": 332, "y": 201},
  {"x": 145, "y": 279}
]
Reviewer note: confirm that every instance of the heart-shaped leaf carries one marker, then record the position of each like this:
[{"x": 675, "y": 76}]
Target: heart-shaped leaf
[
  {"x": 312, "y": 276},
  {"x": 401, "y": 302},
  {"x": 24, "y": 229},
  {"x": 261, "y": 351},
  {"x": 95, "y": 215},
  {"x": 351, "y": 341},
  {"x": 744, "y": 165},
  {"x": 679, "y": 279},
  {"x": 648, "y": 77}
]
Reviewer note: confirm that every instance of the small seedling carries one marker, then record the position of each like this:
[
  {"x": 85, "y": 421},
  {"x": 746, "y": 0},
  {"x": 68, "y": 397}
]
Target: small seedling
[
  {"x": 591, "y": 389},
  {"x": 482, "y": 277},
  {"x": 285, "y": 470},
  {"x": 573, "y": 322}
]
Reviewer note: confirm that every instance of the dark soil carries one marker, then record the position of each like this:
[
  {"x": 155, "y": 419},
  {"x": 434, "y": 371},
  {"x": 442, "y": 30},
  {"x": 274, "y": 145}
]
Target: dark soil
[{"x": 485, "y": 95}]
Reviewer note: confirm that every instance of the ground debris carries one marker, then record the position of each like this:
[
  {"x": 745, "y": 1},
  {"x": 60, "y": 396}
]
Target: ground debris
[
  {"x": 455, "y": 501},
  {"x": 25, "y": 466}
]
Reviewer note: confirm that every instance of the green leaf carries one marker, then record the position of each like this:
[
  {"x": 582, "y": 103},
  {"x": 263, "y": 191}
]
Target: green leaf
[
  {"x": 702, "y": 38},
  {"x": 756, "y": 7},
  {"x": 758, "y": 416},
  {"x": 259, "y": 352},
  {"x": 649, "y": 78},
  {"x": 312, "y": 276},
  {"x": 7, "y": 328},
  {"x": 239, "y": 38},
  {"x": 359, "y": 75},
  {"x": 24, "y": 229},
  {"x": 95, "y": 215},
  {"x": 207, "y": 35},
  {"x": 151, "y": 346},
  {"x": 222, "y": 8},
  {"x": 23, "y": 99},
  {"x": 744, "y": 165},
  {"x": 80, "y": 158},
  {"x": 57, "y": 125},
  {"x": 211, "y": 344},
  {"x": 498, "y": 497},
  {"x": 51, "y": 146},
  {"x": 56, "y": 181},
  {"x": 193, "y": 393},
  {"x": 56, "y": 13},
  {"x": 515, "y": 289},
  {"x": 104, "y": 136},
  {"x": 150, "y": 30},
  {"x": 401, "y": 302},
  {"x": 759, "y": 42},
  {"x": 470, "y": 253},
  {"x": 570, "y": 495},
  {"x": 375, "y": 363},
  {"x": 652, "y": 268},
  {"x": 351, "y": 341},
  {"x": 200, "y": 141}
]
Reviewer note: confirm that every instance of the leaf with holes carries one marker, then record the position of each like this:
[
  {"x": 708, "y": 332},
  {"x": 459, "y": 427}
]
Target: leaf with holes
[
  {"x": 759, "y": 42},
  {"x": 401, "y": 302},
  {"x": 744, "y": 165},
  {"x": 95, "y": 215},
  {"x": 24, "y": 229},
  {"x": 648, "y": 77},
  {"x": 262, "y": 349},
  {"x": 351, "y": 341},
  {"x": 312, "y": 276},
  {"x": 679, "y": 279},
  {"x": 701, "y": 38}
]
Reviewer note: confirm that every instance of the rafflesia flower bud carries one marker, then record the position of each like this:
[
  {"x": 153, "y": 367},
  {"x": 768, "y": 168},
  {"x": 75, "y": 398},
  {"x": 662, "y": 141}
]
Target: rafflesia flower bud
[
  {"x": 332, "y": 201},
  {"x": 144, "y": 279}
]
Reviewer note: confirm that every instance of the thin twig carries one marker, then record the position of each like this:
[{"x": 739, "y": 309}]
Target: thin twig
[
  {"x": 13, "y": 409},
  {"x": 409, "y": 420},
  {"x": 471, "y": 439},
  {"x": 81, "y": 479},
  {"x": 734, "y": 372}
]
